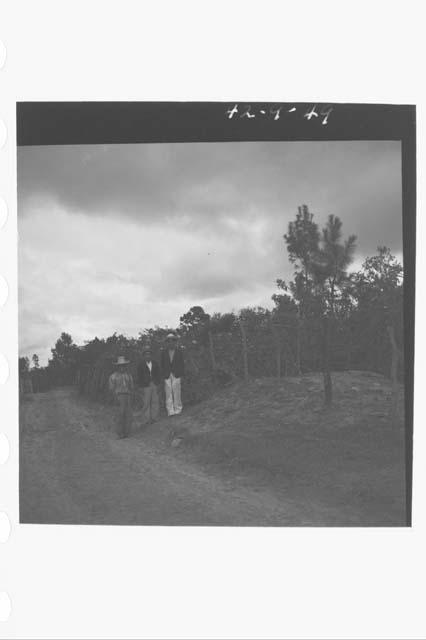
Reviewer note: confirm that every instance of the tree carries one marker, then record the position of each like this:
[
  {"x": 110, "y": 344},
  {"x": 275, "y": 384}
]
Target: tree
[
  {"x": 64, "y": 362},
  {"x": 35, "y": 361},
  {"x": 224, "y": 341},
  {"x": 379, "y": 283},
  {"x": 302, "y": 240},
  {"x": 378, "y": 292},
  {"x": 329, "y": 270},
  {"x": 222, "y": 322},
  {"x": 24, "y": 365},
  {"x": 92, "y": 350},
  {"x": 196, "y": 324},
  {"x": 320, "y": 278},
  {"x": 284, "y": 326},
  {"x": 257, "y": 341},
  {"x": 24, "y": 369}
]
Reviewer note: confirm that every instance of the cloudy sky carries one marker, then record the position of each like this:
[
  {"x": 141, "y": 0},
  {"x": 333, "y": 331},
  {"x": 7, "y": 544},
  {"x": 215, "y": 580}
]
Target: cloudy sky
[{"x": 122, "y": 237}]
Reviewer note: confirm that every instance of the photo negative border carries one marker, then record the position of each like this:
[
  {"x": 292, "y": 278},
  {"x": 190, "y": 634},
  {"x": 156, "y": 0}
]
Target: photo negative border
[{"x": 62, "y": 123}]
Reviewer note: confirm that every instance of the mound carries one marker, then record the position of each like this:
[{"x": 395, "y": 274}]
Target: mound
[{"x": 278, "y": 431}]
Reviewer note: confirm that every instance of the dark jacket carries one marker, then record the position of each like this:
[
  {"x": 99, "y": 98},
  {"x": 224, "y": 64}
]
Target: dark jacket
[
  {"x": 177, "y": 366},
  {"x": 145, "y": 376}
]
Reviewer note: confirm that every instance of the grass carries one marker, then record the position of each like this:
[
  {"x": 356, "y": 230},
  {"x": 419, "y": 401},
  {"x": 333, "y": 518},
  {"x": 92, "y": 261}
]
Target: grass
[
  {"x": 278, "y": 433},
  {"x": 346, "y": 464}
]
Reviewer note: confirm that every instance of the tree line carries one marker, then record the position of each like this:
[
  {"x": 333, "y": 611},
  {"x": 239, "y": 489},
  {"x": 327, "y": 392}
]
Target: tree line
[{"x": 325, "y": 318}]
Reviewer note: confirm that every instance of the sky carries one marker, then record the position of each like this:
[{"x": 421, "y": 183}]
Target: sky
[{"x": 124, "y": 237}]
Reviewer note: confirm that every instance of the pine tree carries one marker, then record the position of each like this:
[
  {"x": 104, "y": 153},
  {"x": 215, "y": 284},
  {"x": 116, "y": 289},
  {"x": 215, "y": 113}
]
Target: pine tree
[
  {"x": 302, "y": 241},
  {"x": 329, "y": 270},
  {"x": 320, "y": 279}
]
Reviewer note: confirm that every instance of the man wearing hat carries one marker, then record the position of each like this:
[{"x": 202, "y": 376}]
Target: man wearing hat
[
  {"x": 121, "y": 386},
  {"x": 172, "y": 369},
  {"x": 149, "y": 377}
]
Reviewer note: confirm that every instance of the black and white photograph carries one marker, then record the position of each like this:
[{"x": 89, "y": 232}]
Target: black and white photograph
[
  {"x": 211, "y": 332},
  {"x": 211, "y": 309}
]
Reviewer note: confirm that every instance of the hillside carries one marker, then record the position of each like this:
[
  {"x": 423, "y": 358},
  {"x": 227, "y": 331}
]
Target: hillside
[
  {"x": 264, "y": 452},
  {"x": 277, "y": 433}
]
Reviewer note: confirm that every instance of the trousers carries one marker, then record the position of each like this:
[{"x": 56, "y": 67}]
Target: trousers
[
  {"x": 173, "y": 395},
  {"x": 151, "y": 404},
  {"x": 124, "y": 414}
]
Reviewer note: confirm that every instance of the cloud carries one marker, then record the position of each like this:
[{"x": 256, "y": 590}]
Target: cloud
[
  {"x": 198, "y": 184},
  {"x": 118, "y": 238},
  {"x": 95, "y": 276}
]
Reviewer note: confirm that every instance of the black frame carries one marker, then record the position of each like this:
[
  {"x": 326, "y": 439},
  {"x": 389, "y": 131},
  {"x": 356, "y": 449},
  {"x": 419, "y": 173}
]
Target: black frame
[{"x": 61, "y": 123}]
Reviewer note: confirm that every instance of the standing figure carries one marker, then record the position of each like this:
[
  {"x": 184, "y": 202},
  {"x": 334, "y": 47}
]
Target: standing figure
[
  {"x": 172, "y": 369},
  {"x": 149, "y": 377},
  {"x": 121, "y": 385}
]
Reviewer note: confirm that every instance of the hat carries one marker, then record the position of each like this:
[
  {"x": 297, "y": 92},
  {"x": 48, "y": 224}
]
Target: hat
[
  {"x": 171, "y": 336},
  {"x": 121, "y": 360}
]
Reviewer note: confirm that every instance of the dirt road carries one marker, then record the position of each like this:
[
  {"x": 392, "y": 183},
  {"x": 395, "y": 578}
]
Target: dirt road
[
  {"x": 74, "y": 470},
  {"x": 240, "y": 465}
]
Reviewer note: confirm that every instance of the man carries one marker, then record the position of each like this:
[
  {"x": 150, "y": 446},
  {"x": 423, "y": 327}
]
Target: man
[
  {"x": 149, "y": 377},
  {"x": 121, "y": 386},
  {"x": 172, "y": 368}
]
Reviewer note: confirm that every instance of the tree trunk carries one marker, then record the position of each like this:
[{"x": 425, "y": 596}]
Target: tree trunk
[
  {"x": 394, "y": 373},
  {"x": 298, "y": 345},
  {"x": 244, "y": 344},
  {"x": 192, "y": 362},
  {"x": 349, "y": 351},
  {"x": 328, "y": 387},
  {"x": 211, "y": 350},
  {"x": 277, "y": 345}
]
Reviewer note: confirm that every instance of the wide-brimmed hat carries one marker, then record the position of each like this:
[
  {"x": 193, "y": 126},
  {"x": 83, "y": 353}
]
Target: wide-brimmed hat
[
  {"x": 171, "y": 336},
  {"x": 121, "y": 360}
]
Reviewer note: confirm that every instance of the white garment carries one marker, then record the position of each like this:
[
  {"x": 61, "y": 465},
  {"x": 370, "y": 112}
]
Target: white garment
[
  {"x": 173, "y": 396},
  {"x": 149, "y": 365}
]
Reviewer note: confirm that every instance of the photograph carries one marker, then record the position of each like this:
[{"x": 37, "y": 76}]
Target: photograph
[
  {"x": 211, "y": 333},
  {"x": 211, "y": 309}
]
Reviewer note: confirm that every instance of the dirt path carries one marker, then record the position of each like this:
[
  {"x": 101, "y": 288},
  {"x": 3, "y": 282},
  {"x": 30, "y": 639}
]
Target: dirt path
[{"x": 73, "y": 470}]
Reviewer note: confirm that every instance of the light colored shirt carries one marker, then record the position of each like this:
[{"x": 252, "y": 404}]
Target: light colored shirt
[
  {"x": 120, "y": 382},
  {"x": 171, "y": 354},
  {"x": 149, "y": 365}
]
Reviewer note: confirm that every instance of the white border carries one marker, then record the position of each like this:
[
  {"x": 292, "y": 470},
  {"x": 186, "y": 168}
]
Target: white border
[{"x": 107, "y": 582}]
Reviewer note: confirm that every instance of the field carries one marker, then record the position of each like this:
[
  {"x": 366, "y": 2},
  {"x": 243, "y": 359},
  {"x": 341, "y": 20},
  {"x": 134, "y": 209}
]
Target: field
[{"x": 265, "y": 452}]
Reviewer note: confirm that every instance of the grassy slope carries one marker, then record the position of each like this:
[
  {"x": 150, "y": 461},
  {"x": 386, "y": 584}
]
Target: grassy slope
[
  {"x": 276, "y": 433},
  {"x": 346, "y": 464}
]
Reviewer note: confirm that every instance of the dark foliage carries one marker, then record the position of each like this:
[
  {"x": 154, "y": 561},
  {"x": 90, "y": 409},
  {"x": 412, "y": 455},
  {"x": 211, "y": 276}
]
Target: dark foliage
[{"x": 324, "y": 318}]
